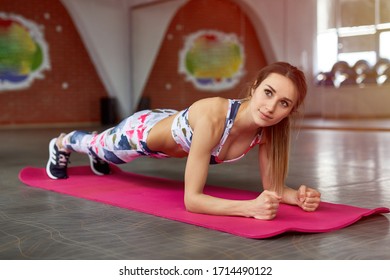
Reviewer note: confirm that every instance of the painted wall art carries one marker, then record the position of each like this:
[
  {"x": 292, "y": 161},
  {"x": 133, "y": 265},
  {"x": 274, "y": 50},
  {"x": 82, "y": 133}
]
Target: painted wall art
[
  {"x": 212, "y": 60},
  {"x": 24, "y": 53}
]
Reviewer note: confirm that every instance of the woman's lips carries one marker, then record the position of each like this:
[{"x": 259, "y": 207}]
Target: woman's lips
[{"x": 265, "y": 116}]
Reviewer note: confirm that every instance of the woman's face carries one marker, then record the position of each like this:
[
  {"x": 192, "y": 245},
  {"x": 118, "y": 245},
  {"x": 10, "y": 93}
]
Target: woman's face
[{"x": 273, "y": 100}]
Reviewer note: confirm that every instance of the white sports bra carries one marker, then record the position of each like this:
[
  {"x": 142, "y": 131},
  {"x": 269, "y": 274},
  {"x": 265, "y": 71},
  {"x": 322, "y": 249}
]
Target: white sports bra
[{"x": 182, "y": 132}]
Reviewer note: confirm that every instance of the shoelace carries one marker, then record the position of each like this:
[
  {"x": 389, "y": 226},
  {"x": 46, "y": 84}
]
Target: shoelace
[{"x": 63, "y": 159}]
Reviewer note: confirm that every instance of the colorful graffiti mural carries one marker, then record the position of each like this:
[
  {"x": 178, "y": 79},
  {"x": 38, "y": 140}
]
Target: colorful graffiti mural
[
  {"x": 212, "y": 60},
  {"x": 23, "y": 52}
]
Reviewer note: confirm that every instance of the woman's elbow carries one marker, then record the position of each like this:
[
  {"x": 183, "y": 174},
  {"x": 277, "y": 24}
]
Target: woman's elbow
[{"x": 190, "y": 203}]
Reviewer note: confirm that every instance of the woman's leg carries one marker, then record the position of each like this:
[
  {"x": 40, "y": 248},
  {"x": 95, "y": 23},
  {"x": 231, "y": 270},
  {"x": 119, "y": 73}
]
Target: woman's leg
[
  {"x": 120, "y": 144},
  {"x": 60, "y": 149}
]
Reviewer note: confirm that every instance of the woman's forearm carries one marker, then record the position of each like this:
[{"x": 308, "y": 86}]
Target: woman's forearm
[
  {"x": 206, "y": 204},
  {"x": 263, "y": 207}
]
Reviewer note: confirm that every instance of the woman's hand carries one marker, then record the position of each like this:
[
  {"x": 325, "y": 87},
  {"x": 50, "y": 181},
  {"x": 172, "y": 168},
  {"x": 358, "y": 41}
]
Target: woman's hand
[
  {"x": 308, "y": 199},
  {"x": 265, "y": 206}
]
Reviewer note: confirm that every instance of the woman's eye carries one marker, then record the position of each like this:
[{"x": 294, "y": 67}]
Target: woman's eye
[
  {"x": 268, "y": 92},
  {"x": 284, "y": 104}
]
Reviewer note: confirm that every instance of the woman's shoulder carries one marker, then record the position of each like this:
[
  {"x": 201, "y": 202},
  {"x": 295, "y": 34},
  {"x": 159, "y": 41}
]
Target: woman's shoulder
[
  {"x": 210, "y": 110},
  {"x": 211, "y": 104}
]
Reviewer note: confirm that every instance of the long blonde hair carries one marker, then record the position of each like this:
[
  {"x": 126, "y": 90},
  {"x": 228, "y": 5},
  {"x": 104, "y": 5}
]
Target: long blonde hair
[{"x": 277, "y": 137}]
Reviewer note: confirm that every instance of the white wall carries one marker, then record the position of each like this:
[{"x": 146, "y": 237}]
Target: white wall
[
  {"x": 106, "y": 30},
  {"x": 287, "y": 30},
  {"x": 290, "y": 29},
  {"x": 146, "y": 37},
  {"x": 103, "y": 26}
]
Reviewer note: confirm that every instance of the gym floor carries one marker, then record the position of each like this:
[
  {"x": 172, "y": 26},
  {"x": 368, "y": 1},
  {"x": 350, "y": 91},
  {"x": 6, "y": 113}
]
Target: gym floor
[{"x": 347, "y": 166}]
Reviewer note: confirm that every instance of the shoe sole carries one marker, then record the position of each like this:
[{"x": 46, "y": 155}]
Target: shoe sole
[{"x": 51, "y": 152}]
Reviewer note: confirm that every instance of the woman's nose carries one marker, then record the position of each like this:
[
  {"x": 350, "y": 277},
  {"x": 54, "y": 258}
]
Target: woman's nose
[{"x": 270, "y": 106}]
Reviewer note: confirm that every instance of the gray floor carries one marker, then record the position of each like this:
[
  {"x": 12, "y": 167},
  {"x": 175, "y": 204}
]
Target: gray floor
[{"x": 350, "y": 167}]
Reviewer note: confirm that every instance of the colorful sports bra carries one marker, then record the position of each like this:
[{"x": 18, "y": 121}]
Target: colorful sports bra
[{"x": 182, "y": 132}]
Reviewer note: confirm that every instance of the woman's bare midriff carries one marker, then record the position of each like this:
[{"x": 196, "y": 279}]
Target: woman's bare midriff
[{"x": 160, "y": 139}]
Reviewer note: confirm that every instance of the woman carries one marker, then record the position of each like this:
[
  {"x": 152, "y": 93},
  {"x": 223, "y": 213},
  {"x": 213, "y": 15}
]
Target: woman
[{"x": 212, "y": 130}]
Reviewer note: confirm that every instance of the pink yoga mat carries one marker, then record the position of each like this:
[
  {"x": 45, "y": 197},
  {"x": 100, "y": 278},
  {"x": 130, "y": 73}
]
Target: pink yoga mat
[{"x": 164, "y": 198}]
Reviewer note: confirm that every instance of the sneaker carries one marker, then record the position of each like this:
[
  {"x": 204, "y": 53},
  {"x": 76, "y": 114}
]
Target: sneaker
[
  {"x": 98, "y": 166},
  {"x": 57, "y": 165}
]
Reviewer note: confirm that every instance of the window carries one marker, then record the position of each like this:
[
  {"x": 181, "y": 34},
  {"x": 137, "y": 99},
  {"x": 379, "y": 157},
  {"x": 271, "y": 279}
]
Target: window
[{"x": 352, "y": 31}]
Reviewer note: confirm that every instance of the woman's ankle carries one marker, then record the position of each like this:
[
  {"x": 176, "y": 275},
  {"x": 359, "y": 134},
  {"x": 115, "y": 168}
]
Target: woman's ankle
[{"x": 59, "y": 142}]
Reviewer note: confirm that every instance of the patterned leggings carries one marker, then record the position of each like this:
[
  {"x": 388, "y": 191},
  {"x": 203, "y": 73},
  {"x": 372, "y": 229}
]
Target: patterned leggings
[{"x": 122, "y": 143}]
